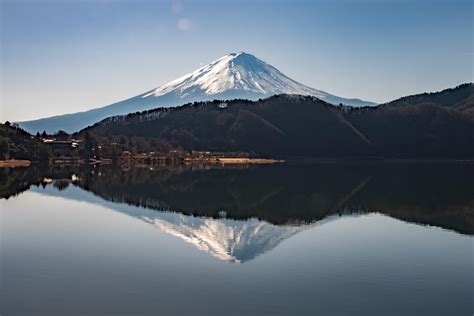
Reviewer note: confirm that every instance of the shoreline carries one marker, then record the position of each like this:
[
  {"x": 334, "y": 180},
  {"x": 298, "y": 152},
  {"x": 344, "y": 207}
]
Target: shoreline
[
  {"x": 216, "y": 160},
  {"x": 232, "y": 160},
  {"x": 12, "y": 163}
]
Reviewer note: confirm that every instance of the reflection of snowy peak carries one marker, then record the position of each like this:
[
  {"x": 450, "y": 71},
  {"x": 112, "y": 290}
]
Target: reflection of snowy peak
[
  {"x": 226, "y": 239},
  {"x": 233, "y": 76}
]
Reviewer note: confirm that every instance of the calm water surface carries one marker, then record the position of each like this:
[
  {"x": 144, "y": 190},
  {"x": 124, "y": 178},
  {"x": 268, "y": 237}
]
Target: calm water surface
[{"x": 292, "y": 239}]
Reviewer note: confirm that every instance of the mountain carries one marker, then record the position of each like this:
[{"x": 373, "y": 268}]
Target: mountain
[
  {"x": 234, "y": 76},
  {"x": 303, "y": 126}
]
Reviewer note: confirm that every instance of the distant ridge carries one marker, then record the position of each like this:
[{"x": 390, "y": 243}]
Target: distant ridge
[{"x": 447, "y": 97}]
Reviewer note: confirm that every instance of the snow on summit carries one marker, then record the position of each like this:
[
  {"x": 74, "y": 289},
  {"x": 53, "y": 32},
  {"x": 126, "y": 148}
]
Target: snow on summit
[
  {"x": 234, "y": 76},
  {"x": 237, "y": 71}
]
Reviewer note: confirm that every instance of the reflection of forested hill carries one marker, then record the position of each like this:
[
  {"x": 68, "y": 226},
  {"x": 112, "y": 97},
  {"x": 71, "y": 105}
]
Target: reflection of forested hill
[
  {"x": 15, "y": 181},
  {"x": 439, "y": 194},
  {"x": 436, "y": 193}
]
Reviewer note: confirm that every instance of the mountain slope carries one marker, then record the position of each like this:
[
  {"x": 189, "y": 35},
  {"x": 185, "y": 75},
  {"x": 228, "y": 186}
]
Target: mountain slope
[{"x": 234, "y": 76}]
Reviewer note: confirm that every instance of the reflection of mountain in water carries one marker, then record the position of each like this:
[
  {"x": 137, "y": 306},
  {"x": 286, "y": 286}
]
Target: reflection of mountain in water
[
  {"x": 432, "y": 193},
  {"x": 232, "y": 240}
]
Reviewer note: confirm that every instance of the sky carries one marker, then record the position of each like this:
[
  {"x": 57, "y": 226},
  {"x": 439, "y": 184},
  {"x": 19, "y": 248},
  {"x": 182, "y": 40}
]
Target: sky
[{"x": 60, "y": 57}]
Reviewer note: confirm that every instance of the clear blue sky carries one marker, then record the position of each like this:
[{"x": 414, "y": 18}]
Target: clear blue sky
[{"x": 67, "y": 56}]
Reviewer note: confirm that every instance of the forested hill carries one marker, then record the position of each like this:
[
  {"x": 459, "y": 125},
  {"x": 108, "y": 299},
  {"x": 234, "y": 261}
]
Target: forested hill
[
  {"x": 16, "y": 143},
  {"x": 435, "y": 125}
]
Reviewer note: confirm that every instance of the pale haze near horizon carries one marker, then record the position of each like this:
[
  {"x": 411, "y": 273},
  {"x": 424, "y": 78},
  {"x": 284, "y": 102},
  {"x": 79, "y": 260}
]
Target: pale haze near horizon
[{"x": 64, "y": 57}]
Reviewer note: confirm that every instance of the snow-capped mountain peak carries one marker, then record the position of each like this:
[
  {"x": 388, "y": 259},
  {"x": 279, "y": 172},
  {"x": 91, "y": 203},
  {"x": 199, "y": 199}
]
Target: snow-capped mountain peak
[{"x": 236, "y": 71}]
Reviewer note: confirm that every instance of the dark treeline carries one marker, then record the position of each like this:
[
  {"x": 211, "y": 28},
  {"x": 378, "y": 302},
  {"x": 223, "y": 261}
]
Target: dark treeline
[{"x": 15, "y": 143}]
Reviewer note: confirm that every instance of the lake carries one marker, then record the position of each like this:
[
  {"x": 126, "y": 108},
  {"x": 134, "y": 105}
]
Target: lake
[{"x": 308, "y": 238}]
